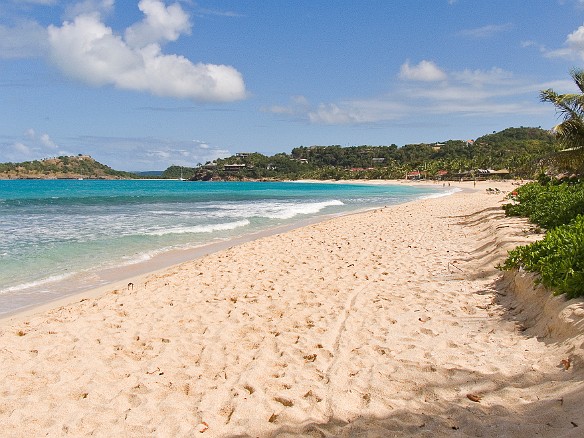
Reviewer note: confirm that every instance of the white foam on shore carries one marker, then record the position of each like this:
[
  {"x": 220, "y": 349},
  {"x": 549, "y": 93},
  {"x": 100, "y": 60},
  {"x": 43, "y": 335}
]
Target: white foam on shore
[
  {"x": 271, "y": 209},
  {"x": 36, "y": 284},
  {"x": 290, "y": 211},
  {"x": 449, "y": 192},
  {"x": 201, "y": 228}
]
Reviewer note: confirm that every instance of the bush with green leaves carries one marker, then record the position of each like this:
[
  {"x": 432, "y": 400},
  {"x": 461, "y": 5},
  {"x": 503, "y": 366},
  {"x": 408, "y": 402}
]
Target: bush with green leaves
[
  {"x": 525, "y": 199},
  {"x": 558, "y": 258},
  {"x": 549, "y": 205}
]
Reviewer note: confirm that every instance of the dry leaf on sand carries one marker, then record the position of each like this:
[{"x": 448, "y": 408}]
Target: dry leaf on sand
[{"x": 474, "y": 397}]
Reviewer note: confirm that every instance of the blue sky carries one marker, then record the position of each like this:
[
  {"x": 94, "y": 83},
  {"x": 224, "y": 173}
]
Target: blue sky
[{"x": 144, "y": 84}]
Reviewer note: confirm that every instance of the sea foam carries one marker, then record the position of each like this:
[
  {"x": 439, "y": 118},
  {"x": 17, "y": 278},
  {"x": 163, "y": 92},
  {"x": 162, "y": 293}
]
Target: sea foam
[
  {"x": 291, "y": 211},
  {"x": 36, "y": 284},
  {"x": 201, "y": 228}
]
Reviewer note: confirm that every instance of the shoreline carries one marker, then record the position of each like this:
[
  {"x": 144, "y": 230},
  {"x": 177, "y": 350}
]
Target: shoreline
[
  {"x": 119, "y": 278},
  {"x": 136, "y": 272},
  {"x": 131, "y": 272},
  {"x": 389, "y": 322}
]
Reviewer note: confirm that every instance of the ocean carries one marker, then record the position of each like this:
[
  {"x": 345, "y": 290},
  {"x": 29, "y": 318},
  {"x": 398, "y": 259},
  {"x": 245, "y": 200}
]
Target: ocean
[{"x": 60, "y": 237}]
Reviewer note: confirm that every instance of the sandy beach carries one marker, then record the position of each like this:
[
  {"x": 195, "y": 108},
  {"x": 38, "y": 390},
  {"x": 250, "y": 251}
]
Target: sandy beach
[{"x": 391, "y": 322}]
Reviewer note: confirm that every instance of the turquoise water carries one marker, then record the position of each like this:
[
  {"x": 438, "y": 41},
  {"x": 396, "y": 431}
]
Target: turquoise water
[{"x": 59, "y": 232}]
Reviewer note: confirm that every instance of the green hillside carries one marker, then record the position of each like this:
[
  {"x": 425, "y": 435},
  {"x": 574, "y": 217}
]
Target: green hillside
[
  {"x": 514, "y": 152},
  {"x": 65, "y": 167}
]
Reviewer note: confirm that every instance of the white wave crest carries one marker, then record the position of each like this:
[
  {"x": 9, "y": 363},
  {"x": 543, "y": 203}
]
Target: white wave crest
[
  {"x": 140, "y": 257},
  {"x": 201, "y": 228},
  {"x": 449, "y": 192},
  {"x": 36, "y": 283},
  {"x": 290, "y": 211}
]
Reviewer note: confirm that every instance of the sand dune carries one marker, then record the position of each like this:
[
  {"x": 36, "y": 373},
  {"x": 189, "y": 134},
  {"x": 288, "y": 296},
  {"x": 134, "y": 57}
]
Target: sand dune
[{"x": 392, "y": 322}]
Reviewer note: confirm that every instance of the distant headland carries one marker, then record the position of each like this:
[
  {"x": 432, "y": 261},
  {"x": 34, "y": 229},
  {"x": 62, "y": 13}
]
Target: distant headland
[{"x": 64, "y": 167}]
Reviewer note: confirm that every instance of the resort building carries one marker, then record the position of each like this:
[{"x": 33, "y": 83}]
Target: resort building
[{"x": 233, "y": 167}]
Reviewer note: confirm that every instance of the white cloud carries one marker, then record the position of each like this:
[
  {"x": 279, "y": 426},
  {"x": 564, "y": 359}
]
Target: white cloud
[
  {"x": 575, "y": 41},
  {"x": 15, "y": 152},
  {"x": 357, "y": 112},
  {"x": 531, "y": 43},
  {"x": 298, "y": 106},
  {"x": 158, "y": 155},
  {"x": 42, "y": 143},
  {"x": 102, "y": 7},
  {"x": 47, "y": 142},
  {"x": 280, "y": 109},
  {"x": 483, "y": 77},
  {"x": 31, "y": 147},
  {"x": 489, "y": 93},
  {"x": 88, "y": 50},
  {"x": 331, "y": 114},
  {"x": 26, "y": 39},
  {"x": 486, "y": 92},
  {"x": 160, "y": 24},
  {"x": 492, "y": 92},
  {"x": 300, "y": 100},
  {"x": 574, "y": 46},
  {"x": 425, "y": 71},
  {"x": 21, "y": 149}
]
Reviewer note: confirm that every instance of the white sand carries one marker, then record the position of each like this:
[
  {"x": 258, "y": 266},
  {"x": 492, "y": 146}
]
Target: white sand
[{"x": 385, "y": 323}]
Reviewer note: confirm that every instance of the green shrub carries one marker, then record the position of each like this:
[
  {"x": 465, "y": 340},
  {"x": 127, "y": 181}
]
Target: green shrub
[
  {"x": 525, "y": 197},
  {"x": 548, "y": 205},
  {"x": 558, "y": 258}
]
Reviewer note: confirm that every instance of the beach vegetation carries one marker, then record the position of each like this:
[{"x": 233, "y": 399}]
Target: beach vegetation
[
  {"x": 558, "y": 258},
  {"x": 557, "y": 203},
  {"x": 549, "y": 204}
]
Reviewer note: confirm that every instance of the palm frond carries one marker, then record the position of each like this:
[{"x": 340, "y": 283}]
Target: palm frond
[
  {"x": 570, "y": 132},
  {"x": 568, "y": 105},
  {"x": 578, "y": 77}
]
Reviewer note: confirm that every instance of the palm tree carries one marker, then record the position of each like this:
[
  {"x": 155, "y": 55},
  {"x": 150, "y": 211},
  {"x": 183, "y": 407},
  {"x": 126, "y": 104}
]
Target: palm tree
[{"x": 570, "y": 132}]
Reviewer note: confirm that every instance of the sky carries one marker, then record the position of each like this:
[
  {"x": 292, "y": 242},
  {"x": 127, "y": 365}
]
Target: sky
[{"x": 146, "y": 84}]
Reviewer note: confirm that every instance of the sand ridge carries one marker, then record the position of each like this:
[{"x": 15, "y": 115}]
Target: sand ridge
[{"x": 392, "y": 322}]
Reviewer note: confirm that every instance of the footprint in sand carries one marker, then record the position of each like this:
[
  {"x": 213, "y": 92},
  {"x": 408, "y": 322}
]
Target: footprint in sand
[
  {"x": 284, "y": 401},
  {"x": 428, "y": 332}
]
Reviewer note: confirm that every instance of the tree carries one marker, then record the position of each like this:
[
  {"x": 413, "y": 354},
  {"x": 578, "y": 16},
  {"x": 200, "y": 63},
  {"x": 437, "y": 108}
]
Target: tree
[{"x": 570, "y": 132}]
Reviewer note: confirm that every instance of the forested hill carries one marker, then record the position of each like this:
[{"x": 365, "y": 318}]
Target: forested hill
[
  {"x": 65, "y": 167},
  {"x": 520, "y": 151}
]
